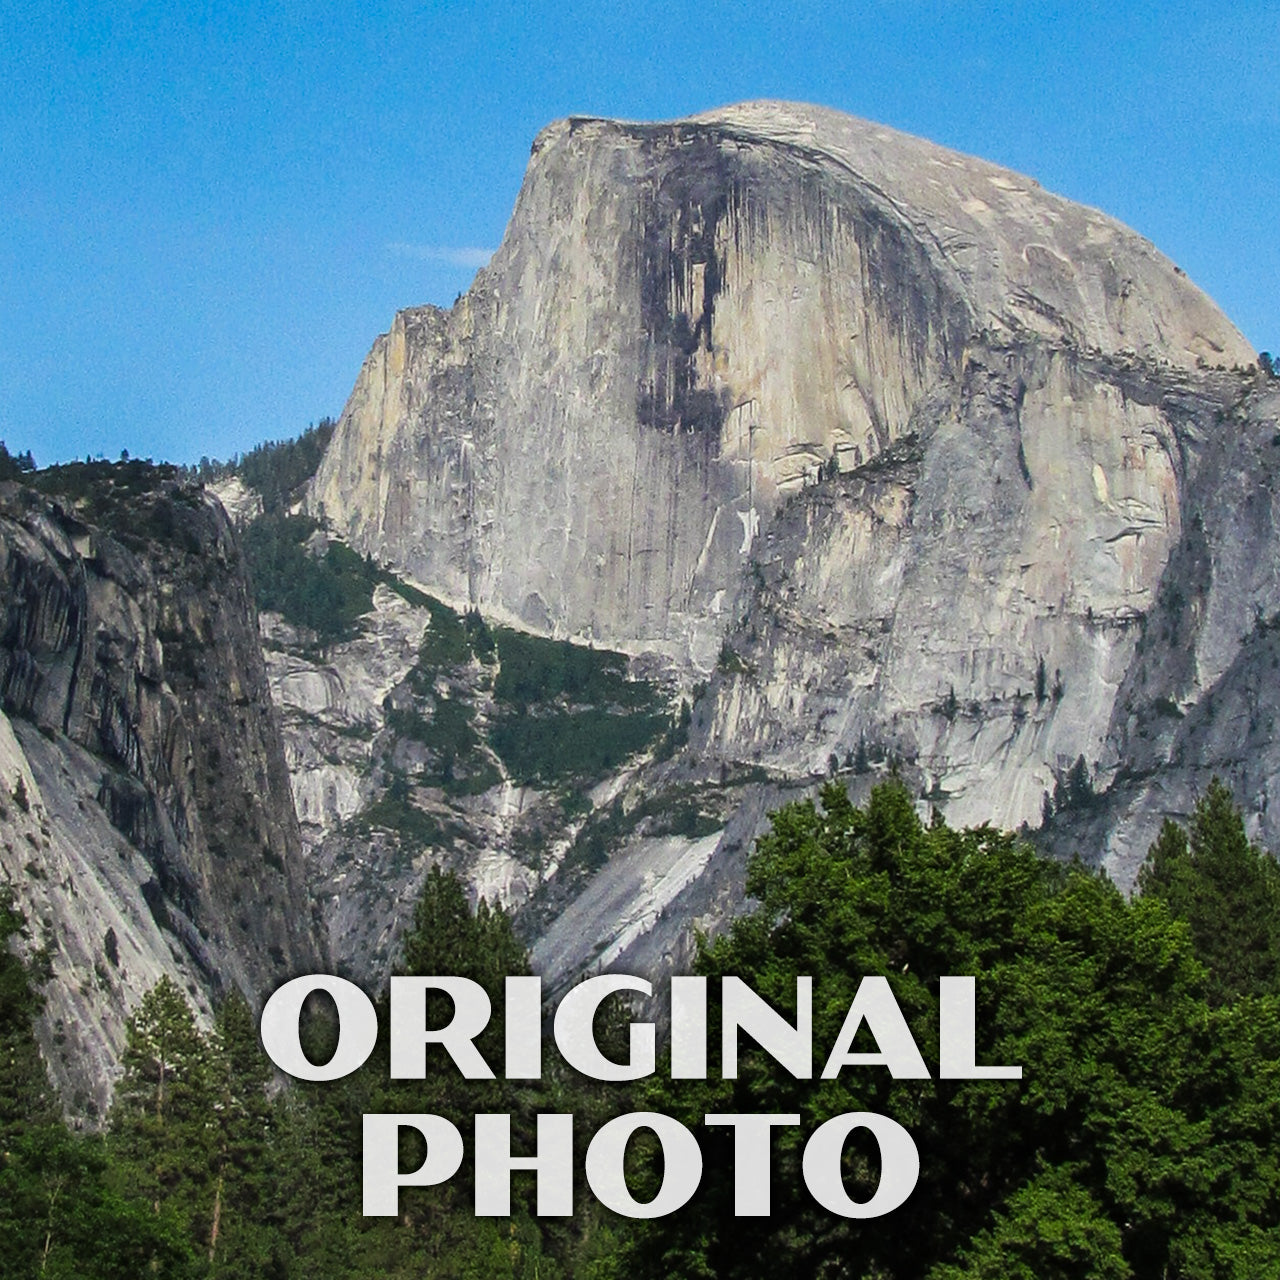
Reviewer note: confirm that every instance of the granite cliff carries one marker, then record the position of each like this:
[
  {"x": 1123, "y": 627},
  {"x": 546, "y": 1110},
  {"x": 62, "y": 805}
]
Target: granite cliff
[
  {"x": 770, "y": 445},
  {"x": 148, "y": 827},
  {"x": 893, "y": 456},
  {"x": 685, "y": 323}
]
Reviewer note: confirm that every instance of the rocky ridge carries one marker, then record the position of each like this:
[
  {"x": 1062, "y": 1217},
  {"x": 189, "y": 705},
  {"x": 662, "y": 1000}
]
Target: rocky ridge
[
  {"x": 772, "y": 445},
  {"x": 889, "y": 448},
  {"x": 147, "y": 821}
]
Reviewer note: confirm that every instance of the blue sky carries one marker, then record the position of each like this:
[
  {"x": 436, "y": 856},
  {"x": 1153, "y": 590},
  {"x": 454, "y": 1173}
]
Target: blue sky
[{"x": 211, "y": 209}]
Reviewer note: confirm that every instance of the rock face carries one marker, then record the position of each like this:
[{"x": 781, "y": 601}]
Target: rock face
[
  {"x": 684, "y": 323},
  {"x": 879, "y": 456},
  {"x": 147, "y": 821},
  {"x": 906, "y": 454},
  {"x": 405, "y": 750},
  {"x": 1200, "y": 695},
  {"x": 332, "y": 706}
]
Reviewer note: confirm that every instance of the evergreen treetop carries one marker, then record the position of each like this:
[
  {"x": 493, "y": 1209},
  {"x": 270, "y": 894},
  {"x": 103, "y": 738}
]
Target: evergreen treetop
[{"x": 1228, "y": 892}]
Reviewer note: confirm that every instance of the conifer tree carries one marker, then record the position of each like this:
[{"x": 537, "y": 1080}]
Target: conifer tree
[
  {"x": 1226, "y": 889},
  {"x": 241, "y": 1236},
  {"x": 59, "y": 1217},
  {"x": 25, "y": 1097},
  {"x": 446, "y": 937},
  {"x": 164, "y": 1120}
]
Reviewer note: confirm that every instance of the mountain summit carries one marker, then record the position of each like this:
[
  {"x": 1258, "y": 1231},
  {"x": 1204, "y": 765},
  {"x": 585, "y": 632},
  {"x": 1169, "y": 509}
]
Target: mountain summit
[
  {"x": 686, "y": 321},
  {"x": 772, "y": 445},
  {"x": 918, "y": 444}
]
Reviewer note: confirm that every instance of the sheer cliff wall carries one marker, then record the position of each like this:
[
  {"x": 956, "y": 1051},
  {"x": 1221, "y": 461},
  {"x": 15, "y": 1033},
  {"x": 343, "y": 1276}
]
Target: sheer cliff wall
[
  {"x": 692, "y": 329},
  {"x": 148, "y": 827}
]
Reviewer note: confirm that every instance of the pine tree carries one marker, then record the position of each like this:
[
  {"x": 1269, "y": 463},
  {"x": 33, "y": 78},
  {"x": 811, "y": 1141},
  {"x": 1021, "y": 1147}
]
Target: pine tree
[
  {"x": 1075, "y": 789},
  {"x": 1226, "y": 889},
  {"x": 59, "y": 1214},
  {"x": 447, "y": 937},
  {"x": 164, "y": 1122},
  {"x": 241, "y": 1235},
  {"x": 25, "y": 1096},
  {"x": 28, "y": 1116}
]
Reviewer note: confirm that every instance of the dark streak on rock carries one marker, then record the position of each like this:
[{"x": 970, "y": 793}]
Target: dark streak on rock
[{"x": 691, "y": 187}]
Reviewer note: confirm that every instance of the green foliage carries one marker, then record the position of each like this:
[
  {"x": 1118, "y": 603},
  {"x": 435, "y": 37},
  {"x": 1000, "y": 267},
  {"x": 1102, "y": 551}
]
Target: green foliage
[
  {"x": 568, "y": 711},
  {"x": 133, "y": 498},
  {"x": 25, "y": 1097},
  {"x": 562, "y": 712},
  {"x": 1228, "y": 892},
  {"x": 481, "y": 638},
  {"x": 449, "y": 731},
  {"x": 1050, "y": 1229},
  {"x": 204, "y": 1175},
  {"x": 687, "y": 811},
  {"x": 276, "y": 469},
  {"x": 15, "y": 466},
  {"x": 395, "y": 812},
  {"x": 676, "y": 736},
  {"x": 60, "y": 1215},
  {"x": 241, "y": 1242},
  {"x": 731, "y": 662},
  {"x": 194, "y": 1133},
  {"x": 319, "y": 1137},
  {"x": 447, "y": 641},
  {"x": 554, "y": 746},
  {"x": 536, "y": 671},
  {"x": 1137, "y": 1143},
  {"x": 462, "y": 768},
  {"x": 445, "y": 936},
  {"x": 328, "y": 592},
  {"x": 1073, "y": 790},
  {"x": 452, "y": 639},
  {"x": 325, "y": 593},
  {"x": 162, "y": 1135}
]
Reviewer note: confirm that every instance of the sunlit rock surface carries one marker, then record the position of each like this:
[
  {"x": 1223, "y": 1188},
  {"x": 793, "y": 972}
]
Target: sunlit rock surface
[
  {"x": 895, "y": 451},
  {"x": 687, "y": 321},
  {"x": 146, "y": 824}
]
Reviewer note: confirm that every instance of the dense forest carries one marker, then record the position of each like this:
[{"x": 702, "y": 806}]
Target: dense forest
[
  {"x": 1142, "y": 1140},
  {"x": 275, "y": 469}
]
